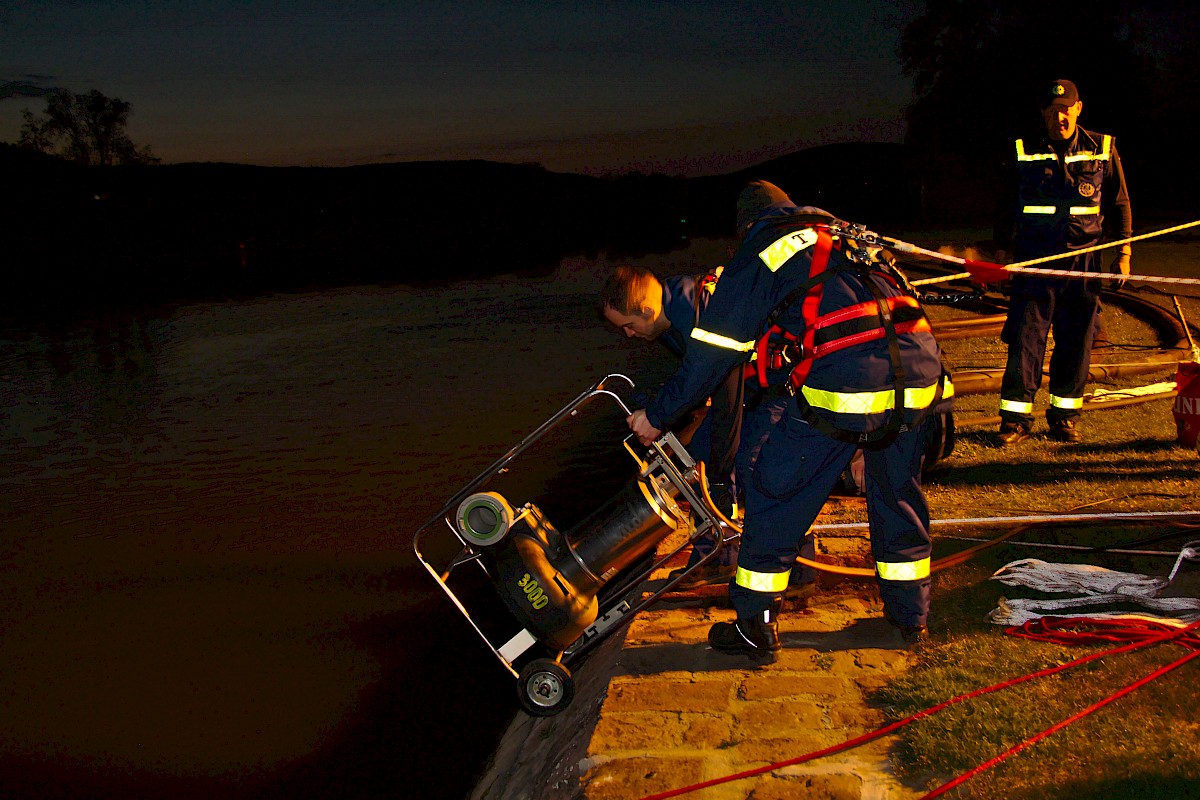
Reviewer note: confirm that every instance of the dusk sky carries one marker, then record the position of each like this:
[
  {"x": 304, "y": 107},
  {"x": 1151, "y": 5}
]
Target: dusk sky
[{"x": 679, "y": 87}]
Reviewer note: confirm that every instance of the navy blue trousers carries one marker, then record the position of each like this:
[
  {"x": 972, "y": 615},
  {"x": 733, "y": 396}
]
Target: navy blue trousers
[
  {"x": 1071, "y": 308},
  {"x": 795, "y": 473},
  {"x": 758, "y": 422}
]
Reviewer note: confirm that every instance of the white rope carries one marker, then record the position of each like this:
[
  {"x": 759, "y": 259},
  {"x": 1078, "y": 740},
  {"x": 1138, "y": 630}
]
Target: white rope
[
  {"x": 1105, "y": 395},
  {"x": 1033, "y": 573},
  {"x": 1074, "y": 273},
  {"x": 1099, "y": 586},
  {"x": 1189, "y": 552},
  {"x": 1141, "y": 516},
  {"x": 1050, "y": 546},
  {"x": 1018, "y": 611},
  {"x": 1027, "y": 267}
]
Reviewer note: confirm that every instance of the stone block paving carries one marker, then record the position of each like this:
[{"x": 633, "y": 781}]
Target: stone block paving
[
  {"x": 678, "y": 713},
  {"x": 656, "y": 709}
]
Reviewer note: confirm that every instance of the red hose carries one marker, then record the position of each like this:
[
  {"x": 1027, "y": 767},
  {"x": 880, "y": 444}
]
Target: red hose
[{"x": 1121, "y": 629}]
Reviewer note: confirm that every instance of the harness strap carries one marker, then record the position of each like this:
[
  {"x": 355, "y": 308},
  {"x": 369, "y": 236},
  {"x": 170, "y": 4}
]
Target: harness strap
[
  {"x": 811, "y": 305},
  {"x": 812, "y": 291},
  {"x": 844, "y": 328},
  {"x": 881, "y": 437},
  {"x": 857, "y": 324}
]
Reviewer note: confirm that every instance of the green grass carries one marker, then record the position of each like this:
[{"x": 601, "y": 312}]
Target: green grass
[{"x": 1144, "y": 745}]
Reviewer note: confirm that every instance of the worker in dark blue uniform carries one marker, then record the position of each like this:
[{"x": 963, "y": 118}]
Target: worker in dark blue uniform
[
  {"x": 1068, "y": 188},
  {"x": 868, "y": 374},
  {"x": 735, "y": 426},
  {"x": 642, "y": 306}
]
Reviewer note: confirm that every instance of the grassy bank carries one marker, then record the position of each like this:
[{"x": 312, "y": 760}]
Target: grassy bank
[
  {"x": 1143, "y": 745},
  {"x": 1146, "y": 744}
]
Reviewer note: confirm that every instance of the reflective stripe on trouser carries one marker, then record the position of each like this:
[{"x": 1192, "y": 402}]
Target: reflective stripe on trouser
[
  {"x": 757, "y": 423},
  {"x": 1016, "y": 407},
  {"x": 903, "y": 570},
  {"x": 1071, "y": 308},
  {"x": 1075, "y": 211},
  {"x": 766, "y": 582},
  {"x": 1066, "y": 403},
  {"x": 795, "y": 474}
]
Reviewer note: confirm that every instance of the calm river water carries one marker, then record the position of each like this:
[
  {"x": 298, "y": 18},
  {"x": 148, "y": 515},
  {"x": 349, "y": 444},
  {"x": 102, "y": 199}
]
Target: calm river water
[{"x": 207, "y": 585}]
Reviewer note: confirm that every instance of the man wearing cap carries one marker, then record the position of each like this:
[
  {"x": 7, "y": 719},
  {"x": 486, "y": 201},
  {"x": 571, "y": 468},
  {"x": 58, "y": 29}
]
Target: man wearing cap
[
  {"x": 867, "y": 373},
  {"x": 1069, "y": 189}
]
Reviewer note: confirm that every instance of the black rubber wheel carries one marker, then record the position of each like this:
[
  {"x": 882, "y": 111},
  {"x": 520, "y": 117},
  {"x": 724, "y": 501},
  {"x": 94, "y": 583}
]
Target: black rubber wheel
[{"x": 545, "y": 687}]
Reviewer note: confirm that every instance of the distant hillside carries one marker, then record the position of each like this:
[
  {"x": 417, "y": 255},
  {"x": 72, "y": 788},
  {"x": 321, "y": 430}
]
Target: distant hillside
[
  {"x": 871, "y": 183},
  {"x": 81, "y": 236}
]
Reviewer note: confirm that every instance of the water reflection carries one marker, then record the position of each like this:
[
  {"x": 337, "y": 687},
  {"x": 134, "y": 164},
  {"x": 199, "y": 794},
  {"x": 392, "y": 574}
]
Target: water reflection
[{"x": 208, "y": 581}]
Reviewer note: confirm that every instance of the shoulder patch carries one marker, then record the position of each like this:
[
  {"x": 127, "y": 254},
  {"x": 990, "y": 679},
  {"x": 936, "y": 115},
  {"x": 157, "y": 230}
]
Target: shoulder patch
[{"x": 782, "y": 249}]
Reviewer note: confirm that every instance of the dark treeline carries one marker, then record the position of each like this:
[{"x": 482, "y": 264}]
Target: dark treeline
[{"x": 80, "y": 238}]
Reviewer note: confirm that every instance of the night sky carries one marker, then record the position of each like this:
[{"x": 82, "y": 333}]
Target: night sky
[{"x": 687, "y": 88}]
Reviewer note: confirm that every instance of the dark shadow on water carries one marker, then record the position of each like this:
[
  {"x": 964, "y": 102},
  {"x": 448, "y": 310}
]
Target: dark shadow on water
[
  {"x": 428, "y": 731},
  {"x": 424, "y": 732}
]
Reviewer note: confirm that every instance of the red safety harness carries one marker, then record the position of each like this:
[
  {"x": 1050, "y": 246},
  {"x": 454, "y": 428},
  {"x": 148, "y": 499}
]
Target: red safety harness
[{"x": 880, "y": 318}]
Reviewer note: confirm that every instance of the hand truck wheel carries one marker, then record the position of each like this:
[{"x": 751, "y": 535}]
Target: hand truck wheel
[{"x": 545, "y": 687}]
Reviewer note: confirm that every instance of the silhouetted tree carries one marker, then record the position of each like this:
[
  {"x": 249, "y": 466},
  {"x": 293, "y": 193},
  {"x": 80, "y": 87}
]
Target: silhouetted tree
[{"x": 88, "y": 129}]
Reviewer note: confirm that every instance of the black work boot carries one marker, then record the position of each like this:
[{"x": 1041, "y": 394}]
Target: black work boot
[
  {"x": 1012, "y": 432},
  {"x": 911, "y": 634},
  {"x": 1065, "y": 430},
  {"x": 756, "y": 637}
]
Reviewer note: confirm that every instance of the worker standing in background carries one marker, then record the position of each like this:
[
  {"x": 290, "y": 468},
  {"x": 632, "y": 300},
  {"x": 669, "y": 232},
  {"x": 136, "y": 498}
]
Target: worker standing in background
[{"x": 1068, "y": 189}]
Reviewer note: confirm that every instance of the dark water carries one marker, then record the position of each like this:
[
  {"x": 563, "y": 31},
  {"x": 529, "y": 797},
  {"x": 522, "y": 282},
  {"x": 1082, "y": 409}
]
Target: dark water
[{"x": 207, "y": 585}]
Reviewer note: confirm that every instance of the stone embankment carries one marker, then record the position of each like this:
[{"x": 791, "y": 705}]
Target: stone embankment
[{"x": 656, "y": 709}]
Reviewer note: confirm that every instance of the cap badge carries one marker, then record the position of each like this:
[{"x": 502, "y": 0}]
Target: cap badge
[
  {"x": 1058, "y": 90},
  {"x": 1087, "y": 189}
]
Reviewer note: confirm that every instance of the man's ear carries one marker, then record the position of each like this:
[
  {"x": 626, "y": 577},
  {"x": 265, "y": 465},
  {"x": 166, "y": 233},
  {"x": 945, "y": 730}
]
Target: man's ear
[{"x": 647, "y": 313}]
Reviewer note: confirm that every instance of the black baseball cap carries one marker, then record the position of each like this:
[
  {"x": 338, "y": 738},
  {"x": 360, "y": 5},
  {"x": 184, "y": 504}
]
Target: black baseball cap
[
  {"x": 1060, "y": 93},
  {"x": 757, "y": 197}
]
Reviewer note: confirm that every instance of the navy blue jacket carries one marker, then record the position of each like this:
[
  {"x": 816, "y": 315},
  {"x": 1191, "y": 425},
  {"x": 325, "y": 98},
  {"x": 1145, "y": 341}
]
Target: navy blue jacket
[
  {"x": 679, "y": 304},
  {"x": 1064, "y": 196},
  {"x": 717, "y": 441},
  {"x": 736, "y": 315}
]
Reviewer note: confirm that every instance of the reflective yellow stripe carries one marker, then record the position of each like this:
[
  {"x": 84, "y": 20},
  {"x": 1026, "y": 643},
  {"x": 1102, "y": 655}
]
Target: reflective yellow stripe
[
  {"x": 783, "y": 248},
  {"x": 1076, "y": 210},
  {"x": 873, "y": 402},
  {"x": 712, "y": 285},
  {"x": 903, "y": 570},
  {"x": 717, "y": 340},
  {"x": 1023, "y": 156},
  {"x": 767, "y": 582},
  {"x": 1066, "y": 402},
  {"x": 1103, "y": 155},
  {"x": 1016, "y": 407}
]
